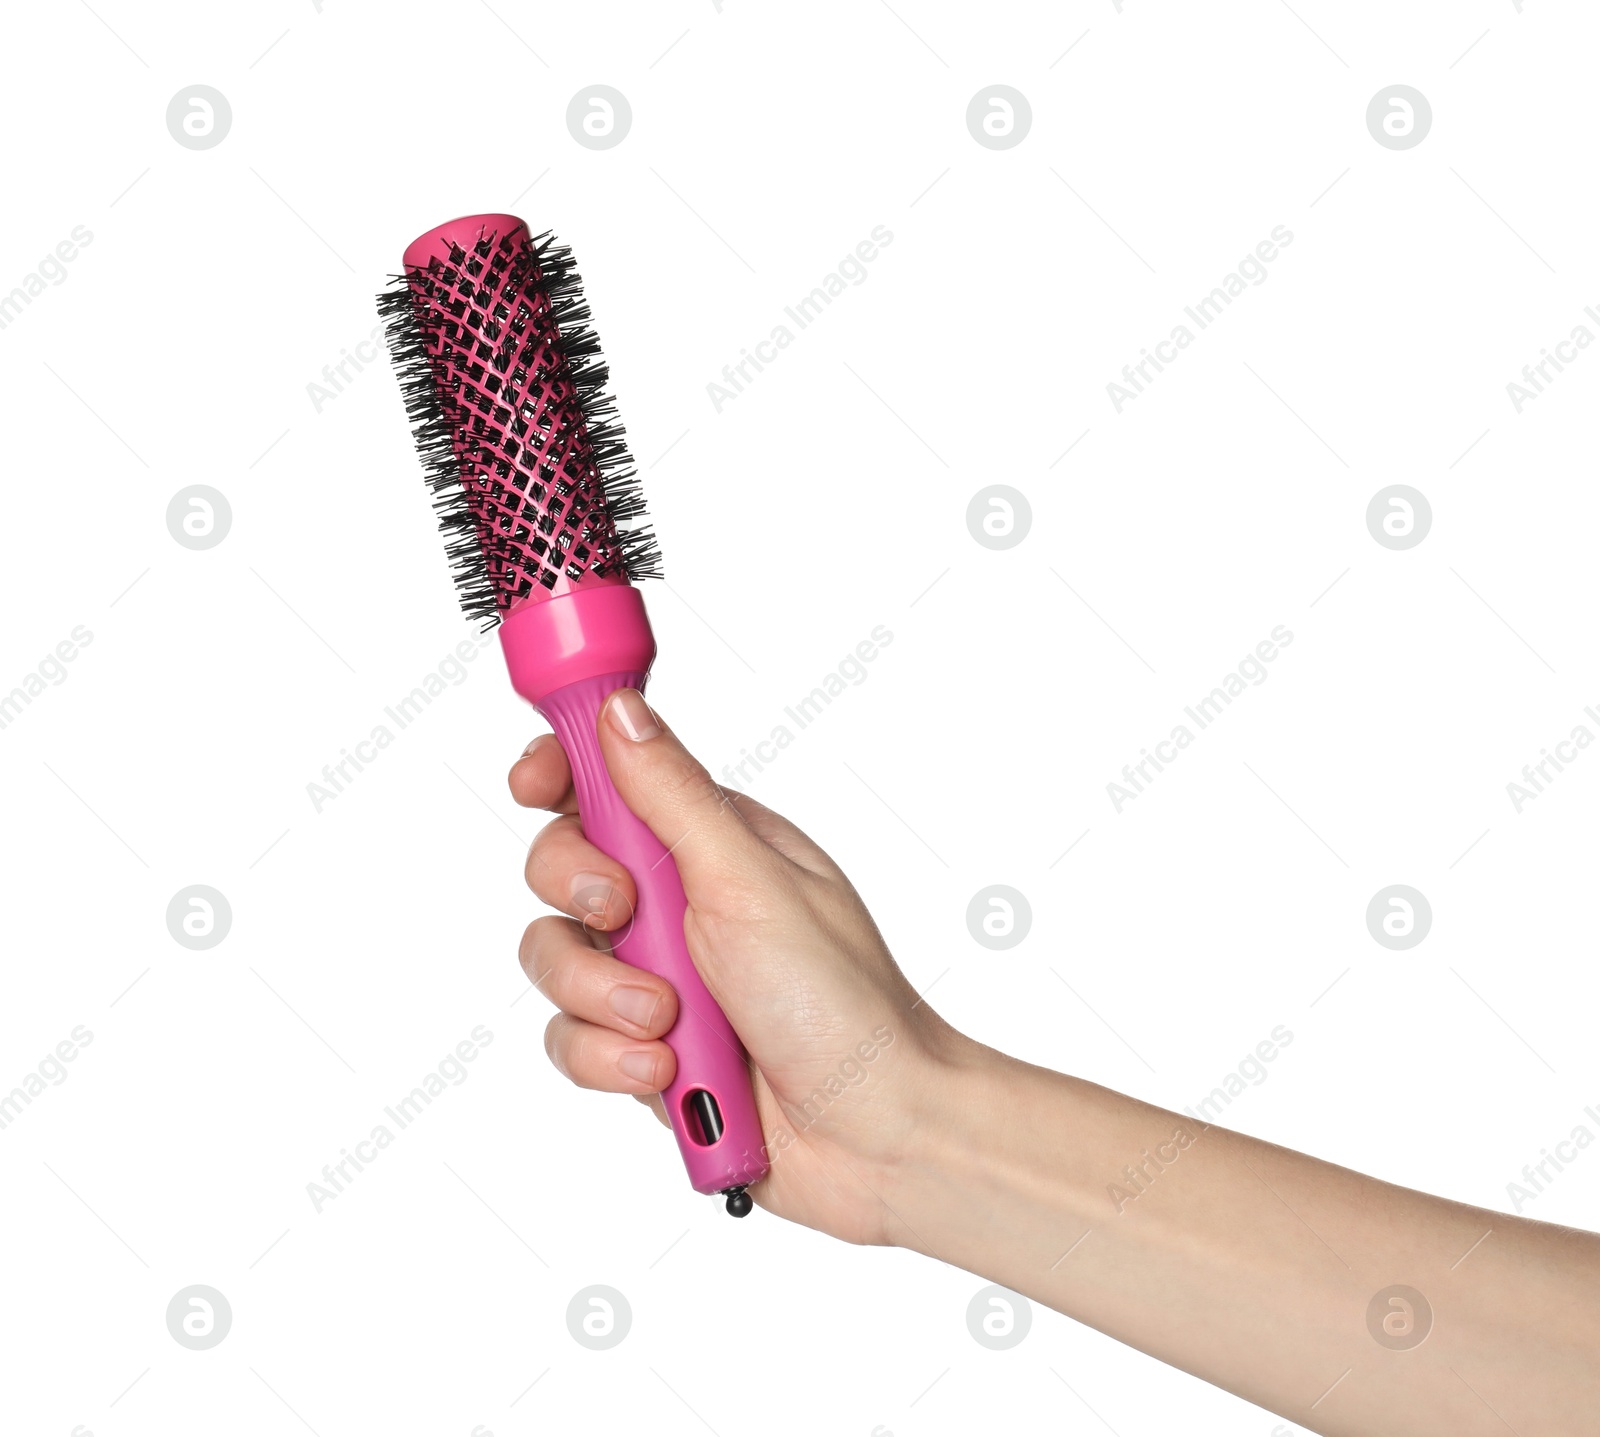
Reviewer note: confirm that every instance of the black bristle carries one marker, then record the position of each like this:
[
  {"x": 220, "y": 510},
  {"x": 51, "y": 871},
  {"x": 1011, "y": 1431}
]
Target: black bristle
[
  {"x": 432, "y": 432},
  {"x": 465, "y": 442},
  {"x": 639, "y": 555}
]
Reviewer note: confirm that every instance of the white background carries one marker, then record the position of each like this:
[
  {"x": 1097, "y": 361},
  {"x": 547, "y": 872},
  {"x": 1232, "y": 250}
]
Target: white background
[{"x": 369, "y": 938}]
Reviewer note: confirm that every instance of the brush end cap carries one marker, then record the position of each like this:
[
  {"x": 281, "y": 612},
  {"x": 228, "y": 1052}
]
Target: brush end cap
[{"x": 464, "y": 232}]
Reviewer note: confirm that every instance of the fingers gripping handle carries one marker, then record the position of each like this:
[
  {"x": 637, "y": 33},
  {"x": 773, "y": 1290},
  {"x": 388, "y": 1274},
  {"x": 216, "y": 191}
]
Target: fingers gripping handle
[
  {"x": 721, "y": 1141},
  {"x": 566, "y": 654}
]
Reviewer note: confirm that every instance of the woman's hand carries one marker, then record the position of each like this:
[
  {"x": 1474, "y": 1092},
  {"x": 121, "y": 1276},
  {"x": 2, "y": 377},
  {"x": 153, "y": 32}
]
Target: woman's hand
[
  {"x": 846, "y": 1056},
  {"x": 1259, "y": 1269}
]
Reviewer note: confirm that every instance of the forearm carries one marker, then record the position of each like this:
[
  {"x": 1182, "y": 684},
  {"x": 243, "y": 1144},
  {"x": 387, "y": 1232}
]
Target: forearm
[
  {"x": 1257, "y": 1269},
  {"x": 1251, "y": 1266}
]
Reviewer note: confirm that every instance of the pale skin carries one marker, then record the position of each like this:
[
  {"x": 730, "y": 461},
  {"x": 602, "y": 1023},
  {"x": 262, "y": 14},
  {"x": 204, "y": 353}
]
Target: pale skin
[{"x": 1244, "y": 1263}]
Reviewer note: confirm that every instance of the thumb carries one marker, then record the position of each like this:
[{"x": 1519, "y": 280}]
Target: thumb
[{"x": 669, "y": 789}]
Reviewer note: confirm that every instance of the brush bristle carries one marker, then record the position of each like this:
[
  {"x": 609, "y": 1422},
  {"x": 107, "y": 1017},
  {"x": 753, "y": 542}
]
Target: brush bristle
[{"x": 504, "y": 385}]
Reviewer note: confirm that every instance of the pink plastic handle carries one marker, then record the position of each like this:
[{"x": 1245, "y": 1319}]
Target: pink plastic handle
[
  {"x": 566, "y": 654},
  {"x": 710, "y": 1057}
]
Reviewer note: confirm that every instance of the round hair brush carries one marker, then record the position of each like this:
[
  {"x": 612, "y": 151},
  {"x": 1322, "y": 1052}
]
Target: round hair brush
[{"x": 537, "y": 498}]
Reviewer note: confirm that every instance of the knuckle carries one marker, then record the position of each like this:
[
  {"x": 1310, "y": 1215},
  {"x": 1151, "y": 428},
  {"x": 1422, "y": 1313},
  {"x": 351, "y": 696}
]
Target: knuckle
[
  {"x": 542, "y": 941},
  {"x": 745, "y": 894},
  {"x": 541, "y": 852},
  {"x": 555, "y": 1043},
  {"x": 578, "y": 1061},
  {"x": 691, "y": 786}
]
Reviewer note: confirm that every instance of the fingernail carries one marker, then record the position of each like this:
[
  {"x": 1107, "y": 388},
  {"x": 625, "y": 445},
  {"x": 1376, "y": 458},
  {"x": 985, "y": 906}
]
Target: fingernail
[
  {"x": 641, "y": 1067},
  {"x": 591, "y": 892},
  {"x": 535, "y": 744},
  {"x": 631, "y": 717},
  {"x": 636, "y": 1005}
]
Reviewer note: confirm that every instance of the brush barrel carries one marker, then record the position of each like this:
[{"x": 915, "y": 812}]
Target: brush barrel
[{"x": 566, "y": 655}]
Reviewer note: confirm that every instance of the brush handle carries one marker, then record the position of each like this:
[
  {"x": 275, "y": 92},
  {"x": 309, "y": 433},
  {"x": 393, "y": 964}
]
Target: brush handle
[{"x": 710, "y": 1057}]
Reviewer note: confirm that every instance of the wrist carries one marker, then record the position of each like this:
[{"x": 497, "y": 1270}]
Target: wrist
[{"x": 986, "y": 1148}]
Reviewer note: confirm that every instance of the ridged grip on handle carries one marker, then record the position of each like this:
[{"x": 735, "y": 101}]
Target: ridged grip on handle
[{"x": 710, "y": 1056}]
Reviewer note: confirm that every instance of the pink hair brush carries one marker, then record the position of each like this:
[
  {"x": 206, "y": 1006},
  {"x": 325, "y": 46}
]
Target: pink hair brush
[{"x": 535, "y": 492}]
